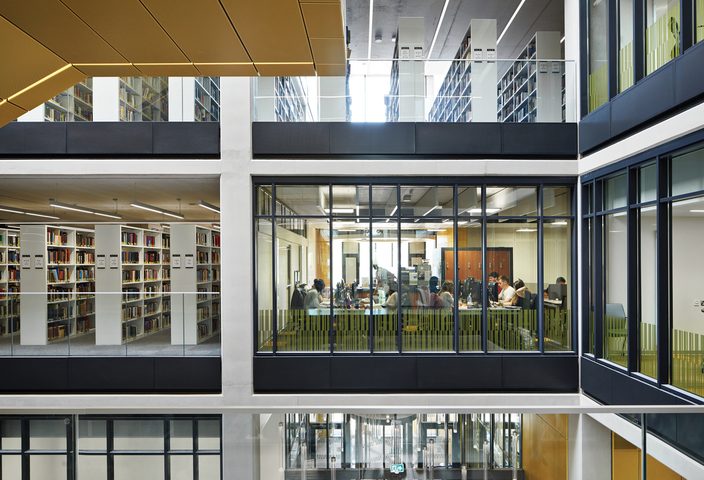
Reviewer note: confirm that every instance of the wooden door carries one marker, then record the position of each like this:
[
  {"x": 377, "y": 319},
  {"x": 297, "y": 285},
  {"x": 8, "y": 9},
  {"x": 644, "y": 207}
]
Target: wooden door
[{"x": 470, "y": 263}]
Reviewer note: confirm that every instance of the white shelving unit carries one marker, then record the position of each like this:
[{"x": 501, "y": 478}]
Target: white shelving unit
[
  {"x": 207, "y": 99},
  {"x": 9, "y": 281},
  {"x": 531, "y": 89},
  {"x": 195, "y": 267},
  {"x": 144, "y": 99},
  {"x": 74, "y": 104},
  {"x": 58, "y": 273},
  {"x": 129, "y": 260},
  {"x": 468, "y": 91}
]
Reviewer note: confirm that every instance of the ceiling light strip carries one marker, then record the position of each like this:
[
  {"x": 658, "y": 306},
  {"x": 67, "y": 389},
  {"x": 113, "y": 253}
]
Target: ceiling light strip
[
  {"x": 78, "y": 208},
  {"x": 151, "y": 208},
  {"x": 371, "y": 17},
  {"x": 510, "y": 21},
  {"x": 209, "y": 206},
  {"x": 437, "y": 29},
  {"x": 25, "y": 212}
]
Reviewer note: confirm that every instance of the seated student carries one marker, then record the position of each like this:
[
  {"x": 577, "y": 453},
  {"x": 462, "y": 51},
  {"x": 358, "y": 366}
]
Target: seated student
[
  {"x": 392, "y": 296},
  {"x": 494, "y": 286},
  {"x": 313, "y": 296},
  {"x": 523, "y": 297},
  {"x": 445, "y": 299},
  {"x": 507, "y": 291}
]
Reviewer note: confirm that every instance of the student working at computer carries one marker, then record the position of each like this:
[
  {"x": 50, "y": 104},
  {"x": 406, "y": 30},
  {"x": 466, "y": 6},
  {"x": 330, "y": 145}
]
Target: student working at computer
[{"x": 507, "y": 292}]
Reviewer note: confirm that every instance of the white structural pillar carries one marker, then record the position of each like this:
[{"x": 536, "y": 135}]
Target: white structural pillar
[
  {"x": 264, "y": 98},
  {"x": 411, "y": 69},
  {"x": 182, "y": 95},
  {"x": 572, "y": 107},
  {"x": 272, "y": 461},
  {"x": 240, "y": 446},
  {"x": 589, "y": 449},
  {"x": 484, "y": 74},
  {"x": 106, "y": 99}
]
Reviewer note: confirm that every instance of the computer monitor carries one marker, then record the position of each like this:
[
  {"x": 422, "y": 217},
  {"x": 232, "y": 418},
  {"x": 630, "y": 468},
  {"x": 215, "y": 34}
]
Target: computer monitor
[
  {"x": 493, "y": 291},
  {"x": 557, "y": 292}
]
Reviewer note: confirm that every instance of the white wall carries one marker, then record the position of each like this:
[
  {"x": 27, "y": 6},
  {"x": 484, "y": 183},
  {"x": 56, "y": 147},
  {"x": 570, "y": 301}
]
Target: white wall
[
  {"x": 589, "y": 449},
  {"x": 688, "y": 265},
  {"x": 106, "y": 99}
]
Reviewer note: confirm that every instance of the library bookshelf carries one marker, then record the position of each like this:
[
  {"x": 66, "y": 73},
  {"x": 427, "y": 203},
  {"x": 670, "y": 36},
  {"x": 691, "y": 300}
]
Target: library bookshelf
[
  {"x": 195, "y": 267},
  {"x": 130, "y": 262},
  {"x": 207, "y": 99},
  {"x": 73, "y": 104},
  {"x": 144, "y": 99},
  {"x": 9, "y": 281},
  {"x": 531, "y": 89},
  {"x": 58, "y": 279}
]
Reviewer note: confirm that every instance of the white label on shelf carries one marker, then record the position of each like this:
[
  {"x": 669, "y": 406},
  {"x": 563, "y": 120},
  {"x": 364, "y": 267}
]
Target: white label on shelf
[
  {"x": 39, "y": 262},
  {"x": 491, "y": 54},
  {"x": 26, "y": 262},
  {"x": 556, "y": 67},
  {"x": 114, "y": 261},
  {"x": 100, "y": 263},
  {"x": 405, "y": 53},
  {"x": 543, "y": 67},
  {"x": 418, "y": 53},
  {"x": 176, "y": 261},
  {"x": 188, "y": 261},
  {"x": 478, "y": 54}
]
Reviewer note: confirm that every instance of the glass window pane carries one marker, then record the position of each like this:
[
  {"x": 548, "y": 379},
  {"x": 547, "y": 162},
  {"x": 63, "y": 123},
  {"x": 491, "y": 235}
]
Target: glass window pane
[
  {"x": 384, "y": 201},
  {"x": 10, "y": 435},
  {"x": 625, "y": 54},
  {"x": 512, "y": 254},
  {"x": 590, "y": 287},
  {"x": 423, "y": 201},
  {"x": 471, "y": 278},
  {"x": 648, "y": 288},
  {"x": 615, "y": 288},
  {"x": 265, "y": 200},
  {"x": 302, "y": 200},
  {"x": 648, "y": 180},
  {"x": 512, "y": 201},
  {"x": 427, "y": 289},
  {"x": 615, "y": 192},
  {"x": 139, "y": 467},
  {"x": 265, "y": 316},
  {"x": 139, "y": 435},
  {"x": 557, "y": 201},
  {"x": 181, "y": 435},
  {"x": 182, "y": 468},
  {"x": 303, "y": 286},
  {"x": 385, "y": 268},
  {"x": 699, "y": 22},
  {"x": 557, "y": 273},
  {"x": 47, "y": 434},
  {"x": 688, "y": 172},
  {"x": 687, "y": 302},
  {"x": 350, "y": 200},
  {"x": 91, "y": 434},
  {"x": 588, "y": 198},
  {"x": 598, "y": 53},
  {"x": 662, "y": 33},
  {"x": 44, "y": 467},
  {"x": 469, "y": 201},
  {"x": 351, "y": 266},
  {"x": 11, "y": 466},
  {"x": 209, "y": 434},
  {"x": 209, "y": 467},
  {"x": 92, "y": 467}
]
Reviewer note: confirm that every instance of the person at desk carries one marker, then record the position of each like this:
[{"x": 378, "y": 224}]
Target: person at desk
[
  {"x": 313, "y": 296},
  {"x": 445, "y": 299},
  {"x": 392, "y": 299},
  {"x": 507, "y": 291}
]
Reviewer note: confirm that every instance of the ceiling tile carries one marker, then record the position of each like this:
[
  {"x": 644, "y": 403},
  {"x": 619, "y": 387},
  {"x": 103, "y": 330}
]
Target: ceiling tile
[
  {"x": 328, "y": 50},
  {"x": 48, "y": 88},
  {"x": 163, "y": 70},
  {"x": 222, "y": 70},
  {"x": 327, "y": 70},
  {"x": 109, "y": 70},
  {"x": 8, "y": 112},
  {"x": 291, "y": 70},
  {"x": 323, "y": 20}
]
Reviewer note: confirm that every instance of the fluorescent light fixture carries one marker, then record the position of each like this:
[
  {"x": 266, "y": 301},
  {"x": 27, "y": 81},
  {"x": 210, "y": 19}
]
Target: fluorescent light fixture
[
  {"x": 431, "y": 209},
  {"x": 151, "y": 208},
  {"x": 696, "y": 211},
  {"x": 338, "y": 210},
  {"x": 166, "y": 226},
  {"x": 478, "y": 211},
  {"x": 434, "y": 229},
  {"x": 393, "y": 211},
  {"x": 25, "y": 212},
  {"x": 460, "y": 222},
  {"x": 209, "y": 206},
  {"x": 559, "y": 223},
  {"x": 78, "y": 208},
  {"x": 437, "y": 29},
  {"x": 510, "y": 21},
  {"x": 526, "y": 230},
  {"x": 216, "y": 226},
  {"x": 371, "y": 20},
  {"x": 562, "y": 40}
]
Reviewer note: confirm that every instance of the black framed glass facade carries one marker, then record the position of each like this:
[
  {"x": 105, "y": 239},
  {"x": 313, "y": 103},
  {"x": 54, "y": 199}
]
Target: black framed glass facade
[
  {"x": 650, "y": 319},
  {"x": 699, "y": 20},
  {"x": 598, "y": 52},
  {"x": 662, "y": 33},
  {"x": 413, "y": 268},
  {"x": 111, "y": 448},
  {"x": 626, "y": 74}
]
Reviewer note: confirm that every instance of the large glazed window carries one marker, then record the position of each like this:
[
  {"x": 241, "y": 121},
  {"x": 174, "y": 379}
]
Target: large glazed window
[
  {"x": 598, "y": 53},
  {"x": 625, "y": 44},
  {"x": 405, "y": 267},
  {"x": 615, "y": 288},
  {"x": 699, "y": 20},
  {"x": 662, "y": 33}
]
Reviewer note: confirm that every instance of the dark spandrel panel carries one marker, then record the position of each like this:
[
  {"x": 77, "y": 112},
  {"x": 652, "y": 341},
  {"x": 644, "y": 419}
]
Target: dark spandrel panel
[
  {"x": 109, "y": 138},
  {"x": 372, "y": 139},
  {"x": 33, "y": 138}
]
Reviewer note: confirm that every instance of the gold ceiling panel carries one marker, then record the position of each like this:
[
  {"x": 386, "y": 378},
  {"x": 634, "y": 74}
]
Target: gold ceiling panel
[
  {"x": 323, "y": 20},
  {"x": 289, "y": 69},
  {"x": 202, "y": 31},
  {"x": 109, "y": 70},
  {"x": 327, "y": 50},
  {"x": 130, "y": 29},
  {"x": 272, "y": 30},
  {"x": 168, "y": 70},
  {"x": 330, "y": 70},
  {"x": 8, "y": 112},
  {"x": 227, "y": 69},
  {"x": 48, "y": 87},
  {"x": 54, "y": 25},
  {"x": 25, "y": 61}
]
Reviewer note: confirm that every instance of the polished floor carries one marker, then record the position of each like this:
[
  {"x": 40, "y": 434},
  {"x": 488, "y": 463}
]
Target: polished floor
[{"x": 158, "y": 344}]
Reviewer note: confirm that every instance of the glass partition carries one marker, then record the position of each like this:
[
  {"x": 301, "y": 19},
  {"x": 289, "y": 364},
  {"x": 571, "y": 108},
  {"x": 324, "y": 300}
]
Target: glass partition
[
  {"x": 662, "y": 33},
  {"x": 647, "y": 290},
  {"x": 615, "y": 288},
  {"x": 404, "y": 268}
]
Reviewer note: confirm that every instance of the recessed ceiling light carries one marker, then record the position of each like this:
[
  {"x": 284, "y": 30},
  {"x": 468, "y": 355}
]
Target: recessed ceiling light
[
  {"x": 25, "y": 212},
  {"x": 209, "y": 206},
  {"x": 77, "y": 208},
  {"x": 338, "y": 210},
  {"x": 154, "y": 209},
  {"x": 526, "y": 230}
]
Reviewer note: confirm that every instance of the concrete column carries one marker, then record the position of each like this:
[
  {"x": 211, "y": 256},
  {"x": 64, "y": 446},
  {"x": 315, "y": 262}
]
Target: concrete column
[
  {"x": 240, "y": 444},
  {"x": 271, "y": 454},
  {"x": 572, "y": 60},
  {"x": 106, "y": 99},
  {"x": 589, "y": 449}
]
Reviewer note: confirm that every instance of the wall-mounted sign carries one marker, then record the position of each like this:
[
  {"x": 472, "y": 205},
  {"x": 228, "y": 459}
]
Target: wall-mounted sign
[
  {"x": 188, "y": 261},
  {"x": 176, "y": 261},
  {"x": 114, "y": 262},
  {"x": 26, "y": 262},
  {"x": 100, "y": 262},
  {"x": 39, "y": 262}
]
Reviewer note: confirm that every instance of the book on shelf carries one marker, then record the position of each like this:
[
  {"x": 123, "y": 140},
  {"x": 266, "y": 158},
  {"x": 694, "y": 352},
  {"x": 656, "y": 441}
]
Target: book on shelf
[
  {"x": 56, "y": 237},
  {"x": 129, "y": 276},
  {"x": 130, "y": 257},
  {"x": 130, "y": 238}
]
